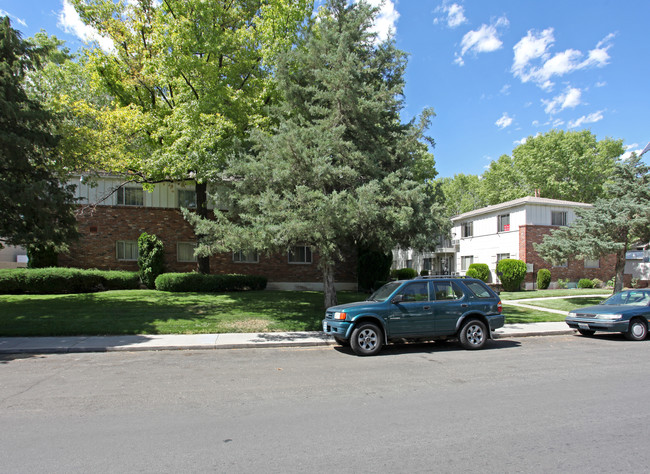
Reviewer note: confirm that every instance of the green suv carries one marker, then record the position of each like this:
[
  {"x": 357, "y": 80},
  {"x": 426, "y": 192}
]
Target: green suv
[{"x": 421, "y": 309}]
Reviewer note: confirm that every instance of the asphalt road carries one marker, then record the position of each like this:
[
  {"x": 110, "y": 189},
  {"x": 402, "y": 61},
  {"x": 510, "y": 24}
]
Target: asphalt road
[{"x": 542, "y": 404}]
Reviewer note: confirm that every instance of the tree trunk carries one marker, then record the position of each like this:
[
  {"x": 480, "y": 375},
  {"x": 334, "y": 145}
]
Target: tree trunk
[
  {"x": 328, "y": 283},
  {"x": 203, "y": 263},
  {"x": 620, "y": 269}
]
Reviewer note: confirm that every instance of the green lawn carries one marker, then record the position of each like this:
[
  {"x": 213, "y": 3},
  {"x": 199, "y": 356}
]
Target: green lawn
[
  {"x": 158, "y": 312},
  {"x": 519, "y": 295}
]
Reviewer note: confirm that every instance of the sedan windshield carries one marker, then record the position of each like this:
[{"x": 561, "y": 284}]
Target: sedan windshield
[
  {"x": 385, "y": 291},
  {"x": 632, "y": 297}
]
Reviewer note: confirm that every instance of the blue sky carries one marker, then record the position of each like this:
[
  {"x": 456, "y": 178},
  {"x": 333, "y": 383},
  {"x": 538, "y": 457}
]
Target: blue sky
[{"x": 495, "y": 72}]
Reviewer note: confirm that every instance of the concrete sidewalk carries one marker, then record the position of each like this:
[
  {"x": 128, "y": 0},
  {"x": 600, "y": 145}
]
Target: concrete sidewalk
[{"x": 50, "y": 345}]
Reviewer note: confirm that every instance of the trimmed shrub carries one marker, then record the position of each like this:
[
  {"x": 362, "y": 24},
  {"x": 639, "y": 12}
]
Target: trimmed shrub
[
  {"x": 424, "y": 273},
  {"x": 482, "y": 271},
  {"x": 543, "y": 278},
  {"x": 406, "y": 274},
  {"x": 64, "y": 280},
  {"x": 151, "y": 258},
  {"x": 373, "y": 266},
  {"x": 585, "y": 283},
  {"x": 562, "y": 283},
  {"x": 472, "y": 273},
  {"x": 200, "y": 283},
  {"x": 512, "y": 273}
]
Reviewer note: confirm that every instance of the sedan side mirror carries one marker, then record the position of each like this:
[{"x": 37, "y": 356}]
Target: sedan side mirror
[{"x": 397, "y": 299}]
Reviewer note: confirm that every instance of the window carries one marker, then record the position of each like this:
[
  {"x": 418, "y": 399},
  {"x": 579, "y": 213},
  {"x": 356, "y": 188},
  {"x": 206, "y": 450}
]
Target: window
[
  {"x": 503, "y": 222},
  {"x": 187, "y": 198},
  {"x": 185, "y": 252},
  {"x": 447, "y": 290},
  {"x": 300, "y": 254},
  {"x": 502, "y": 256},
  {"x": 562, "y": 264},
  {"x": 465, "y": 262},
  {"x": 416, "y": 292},
  {"x": 592, "y": 263},
  {"x": 558, "y": 218},
  {"x": 478, "y": 289},
  {"x": 130, "y": 197},
  {"x": 467, "y": 229},
  {"x": 427, "y": 264},
  {"x": 409, "y": 264},
  {"x": 127, "y": 250},
  {"x": 245, "y": 257}
]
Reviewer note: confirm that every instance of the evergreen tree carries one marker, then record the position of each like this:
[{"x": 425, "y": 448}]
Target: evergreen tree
[
  {"x": 37, "y": 209},
  {"x": 340, "y": 169},
  {"x": 611, "y": 225}
]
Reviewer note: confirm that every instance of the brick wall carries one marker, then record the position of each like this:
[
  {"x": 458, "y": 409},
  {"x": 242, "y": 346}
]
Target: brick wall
[
  {"x": 103, "y": 226},
  {"x": 574, "y": 271}
]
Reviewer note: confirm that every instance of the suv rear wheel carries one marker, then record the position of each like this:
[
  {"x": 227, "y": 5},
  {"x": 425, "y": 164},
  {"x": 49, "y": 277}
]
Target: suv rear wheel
[
  {"x": 366, "y": 339},
  {"x": 473, "y": 334}
]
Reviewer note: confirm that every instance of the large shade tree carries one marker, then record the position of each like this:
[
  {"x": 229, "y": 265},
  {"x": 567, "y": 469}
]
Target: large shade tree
[
  {"x": 561, "y": 165},
  {"x": 37, "y": 209},
  {"x": 615, "y": 222},
  {"x": 340, "y": 168},
  {"x": 187, "y": 80}
]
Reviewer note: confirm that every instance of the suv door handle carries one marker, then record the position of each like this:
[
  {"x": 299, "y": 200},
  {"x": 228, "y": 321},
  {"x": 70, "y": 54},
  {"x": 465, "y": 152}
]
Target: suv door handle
[
  {"x": 464, "y": 305},
  {"x": 426, "y": 307}
]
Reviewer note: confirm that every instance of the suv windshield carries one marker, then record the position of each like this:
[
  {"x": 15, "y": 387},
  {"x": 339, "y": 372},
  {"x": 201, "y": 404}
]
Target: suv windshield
[{"x": 385, "y": 291}]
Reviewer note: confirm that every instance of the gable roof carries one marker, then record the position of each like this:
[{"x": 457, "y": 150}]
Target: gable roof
[{"x": 519, "y": 202}]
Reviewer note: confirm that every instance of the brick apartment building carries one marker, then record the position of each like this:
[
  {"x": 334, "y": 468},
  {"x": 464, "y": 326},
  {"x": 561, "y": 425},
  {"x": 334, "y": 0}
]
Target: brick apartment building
[
  {"x": 510, "y": 230},
  {"x": 112, "y": 218}
]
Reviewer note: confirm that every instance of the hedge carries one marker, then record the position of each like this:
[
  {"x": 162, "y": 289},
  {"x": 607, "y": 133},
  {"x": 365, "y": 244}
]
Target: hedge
[
  {"x": 197, "y": 282},
  {"x": 482, "y": 271},
  {"x": 543, "y": 278},
  {"x": 55, "y": 280},
  {"x": 512, "y": 273},
  {"x": 405, "y": 274},
  {"x": 585, "y": 283}
]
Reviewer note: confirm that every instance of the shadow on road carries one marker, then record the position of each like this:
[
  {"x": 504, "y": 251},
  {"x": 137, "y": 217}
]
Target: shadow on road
[{"x": 432, "y": 347}]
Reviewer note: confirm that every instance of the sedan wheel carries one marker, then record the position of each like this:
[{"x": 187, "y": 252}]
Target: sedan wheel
[
  {"x": 473, "y": 334},
  {"x": 637, "y": 330},
  {"x": 366, "y": 340}
]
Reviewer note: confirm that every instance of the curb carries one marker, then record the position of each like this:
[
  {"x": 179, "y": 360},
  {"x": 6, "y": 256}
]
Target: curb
[{"x": 78, "y": 345}]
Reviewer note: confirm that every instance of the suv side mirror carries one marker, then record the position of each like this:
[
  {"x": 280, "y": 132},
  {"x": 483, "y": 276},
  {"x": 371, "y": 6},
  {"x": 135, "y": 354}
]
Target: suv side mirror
[{"x": 397, "y": 299}]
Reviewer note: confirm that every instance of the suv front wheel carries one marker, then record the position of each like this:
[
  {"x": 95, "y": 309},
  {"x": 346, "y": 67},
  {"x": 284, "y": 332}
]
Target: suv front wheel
[
  {"x": 366, "y": 339},
  {"x": 473, "y": 334}
]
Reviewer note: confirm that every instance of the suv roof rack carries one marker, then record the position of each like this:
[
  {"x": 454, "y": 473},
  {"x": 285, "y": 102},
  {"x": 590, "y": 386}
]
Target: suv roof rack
[{"x": 429, "y": 277}]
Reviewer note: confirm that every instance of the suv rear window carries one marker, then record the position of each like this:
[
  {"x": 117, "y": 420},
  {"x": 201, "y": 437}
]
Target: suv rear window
[{"x": 479, "y": 289}]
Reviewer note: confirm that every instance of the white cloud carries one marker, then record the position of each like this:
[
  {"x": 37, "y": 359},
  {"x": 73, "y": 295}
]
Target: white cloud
[
  {"x": 386, "y": 21},
  {"x": 601, "y": 84},
  {"x": 520, "y": 142},
  {"x": 484, "y": 40},
  {"x": 505, "y": 90},
  {"x": 633, "y": 148},
  {"x": 585, "y": 119},
  {"x": 454, "y": 15},
  {"x": 568, "y": 100},
  {"x": 534, "y": 62},
  {"x": 70, "y": 22},
  {"x": 13, "y": 18},
  {"x": 504, "y": 121}
]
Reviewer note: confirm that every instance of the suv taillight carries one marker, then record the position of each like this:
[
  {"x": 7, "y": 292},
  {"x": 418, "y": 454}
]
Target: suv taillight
[{"x": 499, "y": 307}]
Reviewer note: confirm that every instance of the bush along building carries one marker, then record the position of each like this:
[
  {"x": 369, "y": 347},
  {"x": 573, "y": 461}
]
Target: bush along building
[{"x": 112, "y": 216}]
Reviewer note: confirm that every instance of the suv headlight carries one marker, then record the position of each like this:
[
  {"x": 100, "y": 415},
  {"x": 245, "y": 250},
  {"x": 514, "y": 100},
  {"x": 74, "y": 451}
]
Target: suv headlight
[{"x": 340, "y": 315}]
